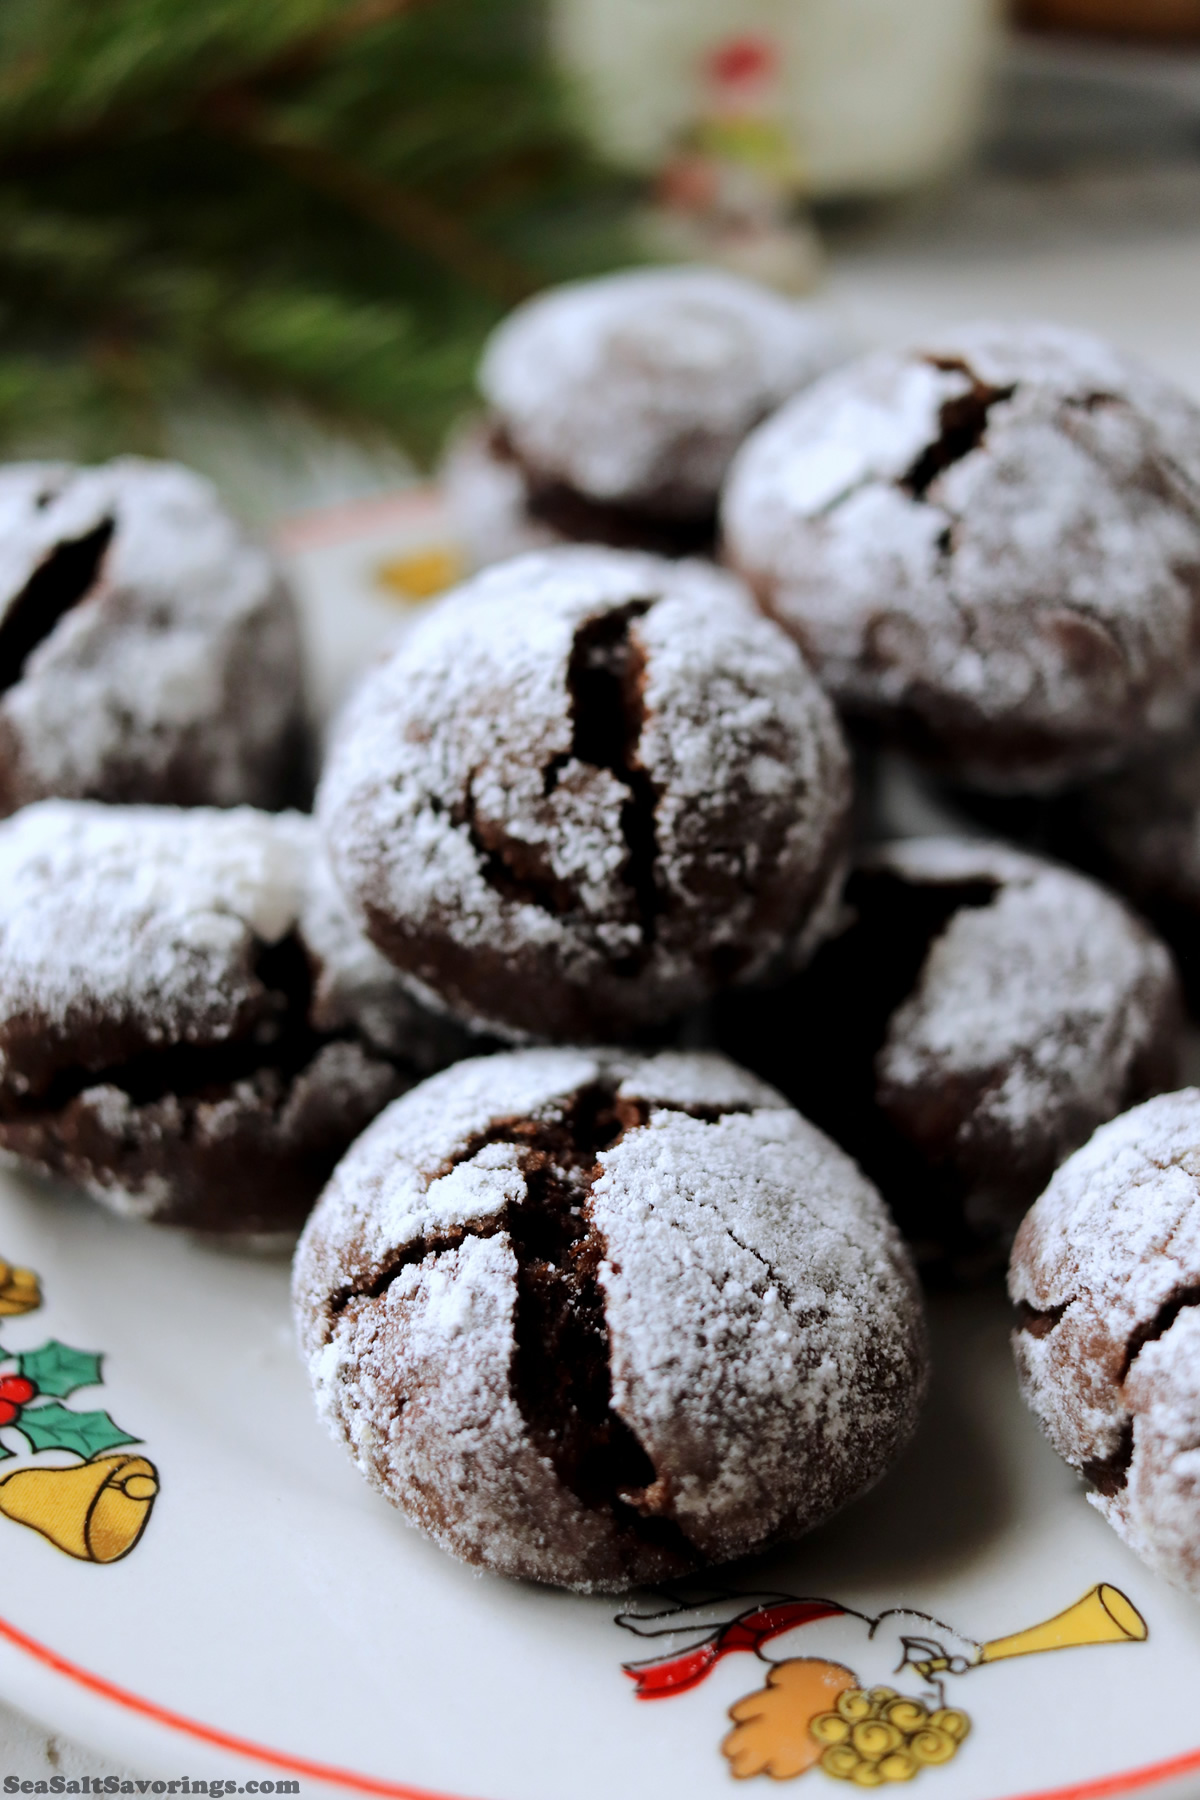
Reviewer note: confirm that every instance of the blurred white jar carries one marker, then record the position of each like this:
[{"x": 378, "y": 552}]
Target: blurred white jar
[{"x": 872, "y": 96}]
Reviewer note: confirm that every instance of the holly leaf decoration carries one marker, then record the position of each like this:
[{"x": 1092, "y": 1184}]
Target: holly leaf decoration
[
  {"x": 59, "y": 1370},
  {"x": 4, "y": 1450},
  {"x": 55, "y": 1427}
]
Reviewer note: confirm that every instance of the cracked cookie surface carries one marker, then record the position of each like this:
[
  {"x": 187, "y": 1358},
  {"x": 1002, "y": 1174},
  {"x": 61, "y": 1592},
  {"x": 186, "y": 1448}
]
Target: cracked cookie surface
[
  {"x": 148, "y": 651},
  {"x": 982, "y": 1012},
  {"x": 596, "y": 1319},
  {"x": 989, "y": 548},
  {"x": 1105, "y": 1274},
  {"x": 591, "y": 788},
  {"x": 190, "y": 1025}
]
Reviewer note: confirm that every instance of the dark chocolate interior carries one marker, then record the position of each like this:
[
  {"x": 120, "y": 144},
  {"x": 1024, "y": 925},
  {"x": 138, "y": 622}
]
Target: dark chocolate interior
[
  {"x": 561, "y": 1371},
  {"x": 61, "y": 581}
]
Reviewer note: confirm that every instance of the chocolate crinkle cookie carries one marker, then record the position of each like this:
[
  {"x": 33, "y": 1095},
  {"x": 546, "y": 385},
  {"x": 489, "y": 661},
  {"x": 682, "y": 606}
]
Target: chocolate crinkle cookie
[
  {"x": 615, "y": 406},
  {"x": 148, "y": 651},
  {"x": 190, "y": 1027},
  {"x": 595, "y": 1320},
  {"x": 981, "y": 1014},
  {"x": 589, "y": 789},
  {"x": 1106, "y": 1276},
  {"x": 987, "y": 547}
]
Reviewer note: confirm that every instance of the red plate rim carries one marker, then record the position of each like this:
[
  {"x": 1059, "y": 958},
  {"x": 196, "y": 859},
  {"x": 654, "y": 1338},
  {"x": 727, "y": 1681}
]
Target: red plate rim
[{"x": 1128, "y": 1782}]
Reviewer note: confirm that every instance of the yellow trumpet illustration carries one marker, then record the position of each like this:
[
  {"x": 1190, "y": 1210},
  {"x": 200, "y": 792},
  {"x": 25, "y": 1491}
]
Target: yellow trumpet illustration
[
  {"x": 1104, "y": 1616},
  {"x": 95, "y": 1511}
]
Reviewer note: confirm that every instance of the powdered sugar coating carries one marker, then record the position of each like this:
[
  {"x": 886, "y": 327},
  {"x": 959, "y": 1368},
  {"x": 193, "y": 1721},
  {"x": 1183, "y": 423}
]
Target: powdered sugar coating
[
  {"x": 1035, "y": 1016},
  {"x": 638, "y": 387},
  {"x": 127, "y": 930},
  {"x": 588, "y": 788},
  {"x": 988, "y": 544},
  {"x": 979, "y": 1012},
  {"x": 765, "y": 1335},
  {"x": 176, "y": 676},
  {"x": 145, "y": 916},
  {"x": 1108, "y": 1262}
]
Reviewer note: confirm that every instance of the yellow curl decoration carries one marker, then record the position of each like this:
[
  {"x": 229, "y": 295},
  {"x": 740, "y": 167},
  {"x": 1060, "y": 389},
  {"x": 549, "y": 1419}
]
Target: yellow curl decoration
[
  {"x": 880, "y": 1736},
  {"x": 854, "y": 1705}
]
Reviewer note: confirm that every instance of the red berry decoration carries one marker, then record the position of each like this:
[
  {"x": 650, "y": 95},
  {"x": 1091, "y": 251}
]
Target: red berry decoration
[{"x": 15, "y": 1392}]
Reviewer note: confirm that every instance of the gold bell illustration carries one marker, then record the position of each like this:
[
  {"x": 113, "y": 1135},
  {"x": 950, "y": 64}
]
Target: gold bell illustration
[
  {"x": 1104, "y": 1616},
  {"x": 96, "y": 1511},
  {"x": 20, "y": 1291}
]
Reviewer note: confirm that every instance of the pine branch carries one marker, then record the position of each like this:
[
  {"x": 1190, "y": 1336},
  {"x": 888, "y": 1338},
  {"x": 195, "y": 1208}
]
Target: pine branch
[
  {"x": 331, "y": 201},
  {"x": 405, "y": 215}
]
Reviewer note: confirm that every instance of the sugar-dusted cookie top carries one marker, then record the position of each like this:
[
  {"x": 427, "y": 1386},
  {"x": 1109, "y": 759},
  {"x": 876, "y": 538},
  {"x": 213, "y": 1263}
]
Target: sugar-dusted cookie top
[
  {"x": 595, "y": 1319},
  {"x": 1106, "y": 1275},
  {"x": 636, "y": 388},
  {"x": 591, "y": 787},
  {"x": 979, "y": 1015},
  {"x": 148, "y": 650},
  {"x": 189, "y": 1023},
  {"x": 986, "y": 545}
]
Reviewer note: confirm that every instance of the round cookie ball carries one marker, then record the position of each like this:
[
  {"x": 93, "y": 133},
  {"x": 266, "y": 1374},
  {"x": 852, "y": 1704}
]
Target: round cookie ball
[
  {"x": 617, "y": 403},
  {"x": 1106, "y": 1275},
  {"x": 148, "y": 651},
  {"x": 987, "y": 547},
  {"x": 594, "y": 1320},
  {"x": 190, "y": 1026},
  {"x": 980, "y": 1015},
  {"x": 589, "y": 789}
]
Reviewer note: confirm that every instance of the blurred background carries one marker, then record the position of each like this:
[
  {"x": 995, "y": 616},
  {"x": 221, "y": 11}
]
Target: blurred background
[{"x": 268, "y": 236}]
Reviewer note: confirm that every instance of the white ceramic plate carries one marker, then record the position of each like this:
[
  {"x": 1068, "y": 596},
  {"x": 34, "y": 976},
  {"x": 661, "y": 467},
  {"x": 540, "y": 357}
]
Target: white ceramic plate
[
  {"x": 265, "y": 1619},
  {"x": 274, "y": 1620}
]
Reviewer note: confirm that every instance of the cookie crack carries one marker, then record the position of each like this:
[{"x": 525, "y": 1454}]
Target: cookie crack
[
  {"x": 901, "y": 921},
  {"x": 1039, "y": 1321},
  {"x": 64, "y": 578},
  {"x": 561, "y": 1371},
  {"x": 432, "y": 1243},
  {"x": 1179, "y": 1300},
  {"x": 605, "y": 681},
  {"x": 1109, "y": 1474},
  {"x": 962, "y": 426},
  {"x": 778, "y": 1283},
  {"x": 514, "y": 869}
]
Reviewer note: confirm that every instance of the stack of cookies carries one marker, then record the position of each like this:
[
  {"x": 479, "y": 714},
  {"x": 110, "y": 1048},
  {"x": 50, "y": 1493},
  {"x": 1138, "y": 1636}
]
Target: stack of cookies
[{"x": 640, "y": 1060}]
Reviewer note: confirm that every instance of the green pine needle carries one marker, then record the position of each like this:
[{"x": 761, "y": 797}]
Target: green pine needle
[{"x": 328, "y": 201}]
